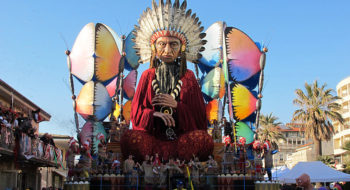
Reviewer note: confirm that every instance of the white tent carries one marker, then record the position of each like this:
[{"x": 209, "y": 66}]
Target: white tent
[
  {"x": 277, "y": 172},
  {"x": 318, "y": 172}
]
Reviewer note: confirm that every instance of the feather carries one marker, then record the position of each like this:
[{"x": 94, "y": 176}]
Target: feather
[
  {"x": 167, "y": 13},
  {"x": 160, "y": 12},
  {"x": 154, "y": 14}
]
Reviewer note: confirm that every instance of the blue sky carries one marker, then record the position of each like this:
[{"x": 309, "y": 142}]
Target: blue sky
[{"x": 307, "y": 41}]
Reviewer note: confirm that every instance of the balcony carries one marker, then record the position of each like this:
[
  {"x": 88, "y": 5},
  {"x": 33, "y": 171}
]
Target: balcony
[
  {"x": 344, "y": 132},
  {"x": 29, "y": 149}
]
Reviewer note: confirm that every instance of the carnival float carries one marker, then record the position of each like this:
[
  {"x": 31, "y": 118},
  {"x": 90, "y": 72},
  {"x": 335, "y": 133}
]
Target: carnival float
[{"x": 175, "y": 113}]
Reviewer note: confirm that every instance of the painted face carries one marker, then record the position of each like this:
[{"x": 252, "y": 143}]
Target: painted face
[{"x": 167, "y": 48}]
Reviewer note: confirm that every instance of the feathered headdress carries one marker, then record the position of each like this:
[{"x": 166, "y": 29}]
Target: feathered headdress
[{"x": 169, "y": 20}]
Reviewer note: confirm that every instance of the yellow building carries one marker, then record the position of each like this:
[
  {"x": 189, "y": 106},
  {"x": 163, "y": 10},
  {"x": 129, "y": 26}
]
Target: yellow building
[{"x": 342, "y": 132}]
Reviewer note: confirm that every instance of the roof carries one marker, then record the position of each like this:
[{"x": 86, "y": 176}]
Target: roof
[
  {"x": 290, "y": 127},
  {"x": 8, "y": 92},
  {"x": 318, "y": 172},
  {"x": 305, "y": 145}
]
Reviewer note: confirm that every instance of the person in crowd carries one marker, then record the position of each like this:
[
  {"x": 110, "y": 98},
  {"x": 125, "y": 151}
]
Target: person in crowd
[
  {"x": 128, "y": 168},
  {"x": 149, "y": 174},
  {"x": 211, "y": 171},
  {"x": 173, "y": 171},
  {"x": 304, "y": 182},
  {"x": 267, "y": 155},
  {"x": 196, "y": 167},
  {"x": 116, "y": 165},
  {"x": 217, "y": 132}
]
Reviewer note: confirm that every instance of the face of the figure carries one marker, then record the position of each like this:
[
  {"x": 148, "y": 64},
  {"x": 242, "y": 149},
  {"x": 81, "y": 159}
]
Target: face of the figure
[{"x": 167, "y": 48}]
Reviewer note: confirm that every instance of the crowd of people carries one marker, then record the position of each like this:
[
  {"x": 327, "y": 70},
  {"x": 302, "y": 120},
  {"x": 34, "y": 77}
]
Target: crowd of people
[{"x": 18, "y": 129}]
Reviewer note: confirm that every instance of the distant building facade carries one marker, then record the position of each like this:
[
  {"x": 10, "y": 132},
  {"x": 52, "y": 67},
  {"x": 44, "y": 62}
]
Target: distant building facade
[
  {"x": 294, "y": 136},
  {"x": 342, "y": 132}
]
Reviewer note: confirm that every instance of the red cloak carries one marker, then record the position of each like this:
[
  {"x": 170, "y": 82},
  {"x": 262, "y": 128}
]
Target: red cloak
[{"x": 148, "y": 134}]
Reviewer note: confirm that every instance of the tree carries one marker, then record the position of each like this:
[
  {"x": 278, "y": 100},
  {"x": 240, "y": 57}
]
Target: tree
[
  {"x": 268, "y": 129},
  {"x": 328, "y": 160},
  {"x": 346, "y": 145},
  {"x": 317, "y": 109}
]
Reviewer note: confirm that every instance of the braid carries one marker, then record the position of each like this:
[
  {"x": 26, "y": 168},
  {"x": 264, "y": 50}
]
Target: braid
[
  {"x": 183, "y": 64},
  {"x": 152, "y": 62}
]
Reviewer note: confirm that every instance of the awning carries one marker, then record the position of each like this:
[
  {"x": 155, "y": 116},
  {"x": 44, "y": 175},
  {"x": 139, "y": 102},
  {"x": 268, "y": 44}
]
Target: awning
[
  {"x": 339, "y": 151},
  {"x": 61, "y": 173}
]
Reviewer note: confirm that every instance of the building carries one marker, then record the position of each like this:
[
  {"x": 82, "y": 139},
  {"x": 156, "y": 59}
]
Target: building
[
  {"x": 342, "y": 132},
  {"x": 294, "y": 137},
  {"x": 22, "y": 153},
  {"x": 55, "y": 176}
]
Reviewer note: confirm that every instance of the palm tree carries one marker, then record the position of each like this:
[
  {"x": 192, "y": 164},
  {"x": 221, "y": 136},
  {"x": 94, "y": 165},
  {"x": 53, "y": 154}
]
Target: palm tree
[
  {"x": 268, "y": 129},
  {"x": 317, "y": 110}
]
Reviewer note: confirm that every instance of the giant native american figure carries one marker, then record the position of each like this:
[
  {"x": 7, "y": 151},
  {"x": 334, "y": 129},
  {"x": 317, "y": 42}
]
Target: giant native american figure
[{"x": 168, "y": 111}]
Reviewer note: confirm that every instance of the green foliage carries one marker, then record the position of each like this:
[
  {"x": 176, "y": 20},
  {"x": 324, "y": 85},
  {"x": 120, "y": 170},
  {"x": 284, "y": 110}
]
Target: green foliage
[
  {"x": 346, "y": 164},
  {"x": 317, "y": 109},
  {"x": 328, "y": 160},
  {"x": 346, "y": 145},
  {"x": 268, "y": 129}
]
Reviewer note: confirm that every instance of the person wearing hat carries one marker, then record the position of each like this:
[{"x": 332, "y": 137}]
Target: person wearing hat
[{"x": 168, "y": 110}]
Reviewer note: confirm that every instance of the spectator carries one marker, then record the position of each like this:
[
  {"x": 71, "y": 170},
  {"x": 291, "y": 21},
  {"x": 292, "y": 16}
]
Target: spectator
[{"x": 304, "y": 182}]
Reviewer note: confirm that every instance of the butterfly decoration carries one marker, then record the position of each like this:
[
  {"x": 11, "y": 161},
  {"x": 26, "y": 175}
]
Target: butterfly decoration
[
  {"x": 95, "y": 54},
  {"x": 94, "y": 101},
  {"x": 214, "y": 111},
  {"x": 129, "y": 85},
  {"x": 97, "y": 61},
  {"x": 242, "y": 63},
  {"x": 245, "y": 63},
  {"x": 213, "y": 84},
  {"x": 126, "y": 111},
  {"x": 213, "y": 48},
  {"x": 90, "y": 131},
  {"x": 243, "y": 130},
  {"x": 132, "y": 59}
]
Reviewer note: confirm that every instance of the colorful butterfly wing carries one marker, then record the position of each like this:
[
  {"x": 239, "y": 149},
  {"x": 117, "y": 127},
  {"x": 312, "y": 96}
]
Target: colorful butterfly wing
[
  {"x": 213, "y": 48},
  {"x": 95, "y": 54},
  {"x": 86, "y": 132},
  {"x": 129, "y": 84},
  {"x": 117, "y": 39},
  {"x": 85, "y": 100},
  {"x": 116, "y": 111},
  {"x": 132, "y": 59},
  {"x": 82, "y": 54},
  {"x": 243, "y": 55},
  {"x": 94, "y": 100},
  {"x": 107, "y": 54},
  {"x": 222, "y": 89},
  {"x": 213, "y": 111},
  {"x": 211, "y": 83},
  {"x": 243, "y": 130},
  {"x": 127, "y": 111},
  {"x": 243, "y": 102},
  {"x": 98, "y": 129},
  {"x": 204, "y": 68},
  {"x": 111, "y": 87}
]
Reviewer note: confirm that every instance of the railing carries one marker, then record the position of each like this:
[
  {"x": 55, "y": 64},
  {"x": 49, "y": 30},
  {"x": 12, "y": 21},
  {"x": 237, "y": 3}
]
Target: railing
[
  {"x": 116, "y": 182},
  {"x": 29, "y": 147}
]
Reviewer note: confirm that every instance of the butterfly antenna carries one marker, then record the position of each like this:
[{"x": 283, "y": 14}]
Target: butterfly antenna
[
  {"x": 66, "y": 84},
  {"x": 265, "y": 83},
  {"x": 120, "y": 31},
  {"x": 64, "y": 40}
]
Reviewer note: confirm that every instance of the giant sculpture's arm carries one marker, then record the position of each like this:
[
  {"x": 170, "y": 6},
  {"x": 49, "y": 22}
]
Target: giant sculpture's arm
[
  {"x": 141, "y": 110},
  {"x": 191, "y": 109}
]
